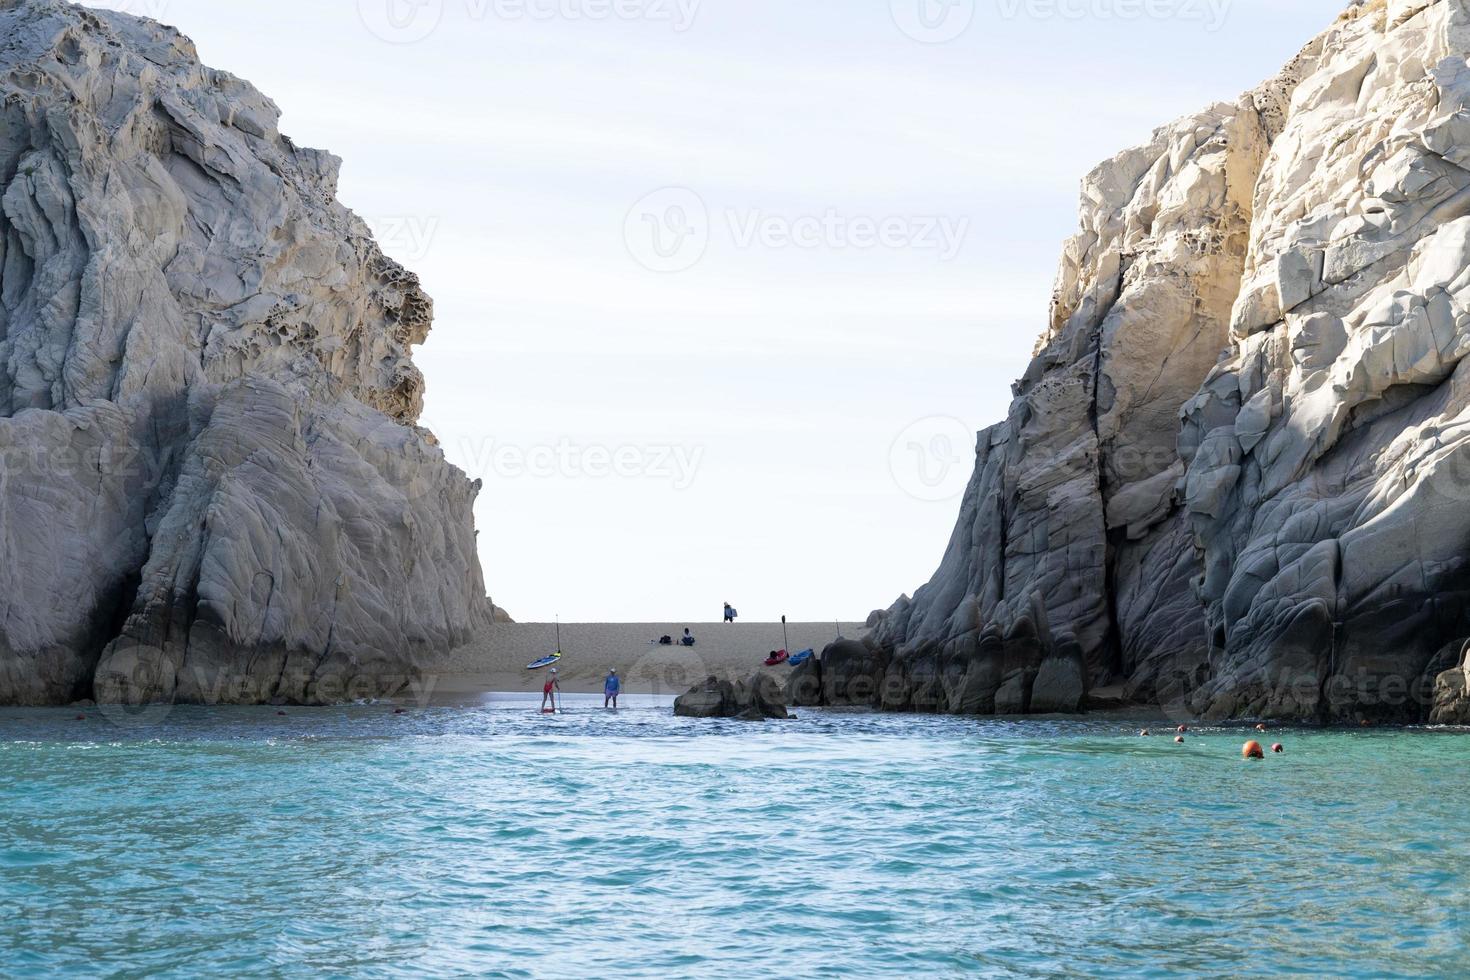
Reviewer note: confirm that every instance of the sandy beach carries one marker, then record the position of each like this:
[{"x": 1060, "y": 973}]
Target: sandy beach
[{"x": 497, "y": 661}]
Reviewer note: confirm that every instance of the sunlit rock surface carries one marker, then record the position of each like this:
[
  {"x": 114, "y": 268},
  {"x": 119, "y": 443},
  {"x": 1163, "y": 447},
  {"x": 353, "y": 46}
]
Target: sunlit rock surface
[
  {"x": 1236, "y": 477},
  {"x": 213, "y": 485}
]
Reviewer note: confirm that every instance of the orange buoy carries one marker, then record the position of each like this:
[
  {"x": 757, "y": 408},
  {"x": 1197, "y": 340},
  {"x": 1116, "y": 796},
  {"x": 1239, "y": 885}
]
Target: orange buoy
[
  {"x": 1183, "y": 729},
  {"x": 1143, "y": 734},
  {"x": 1178, "y": 739},
  {"x": 1261, "y": 727},
  {"x": 1278, "y": 748},
  {"x": 1253, "y": 750}
]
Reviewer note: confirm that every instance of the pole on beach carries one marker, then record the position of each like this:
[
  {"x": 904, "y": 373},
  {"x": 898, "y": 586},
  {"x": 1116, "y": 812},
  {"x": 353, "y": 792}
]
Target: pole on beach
[{"x": 785, "y": 643}]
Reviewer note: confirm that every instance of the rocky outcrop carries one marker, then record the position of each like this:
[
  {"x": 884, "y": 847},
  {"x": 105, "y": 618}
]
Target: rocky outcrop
[
  {"x": 214, "y": 488},
  {"x": 757, "y": 698},
  {"x": 848, "y": 673},
  {"x": 1234, "y": 475},
  {"x": 1452, "y": 693}
]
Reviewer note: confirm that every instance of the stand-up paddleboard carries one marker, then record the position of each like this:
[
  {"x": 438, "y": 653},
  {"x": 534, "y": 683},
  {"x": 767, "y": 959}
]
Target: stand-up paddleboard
[{"x": 554, "y": 658}]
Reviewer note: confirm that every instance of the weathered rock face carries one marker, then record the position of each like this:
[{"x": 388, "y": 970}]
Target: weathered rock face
[
  {"x": 212, "y": 487},
  {"x": 1329, "y": 453},
  {"x": 1235, "y": 476},
  {"x": 848, "y": 673},
  {"x": 1071, "y": 528}
]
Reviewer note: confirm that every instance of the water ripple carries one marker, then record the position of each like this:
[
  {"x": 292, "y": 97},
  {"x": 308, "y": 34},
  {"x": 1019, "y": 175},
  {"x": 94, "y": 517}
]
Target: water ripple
[{"x": 496, "y": 842}]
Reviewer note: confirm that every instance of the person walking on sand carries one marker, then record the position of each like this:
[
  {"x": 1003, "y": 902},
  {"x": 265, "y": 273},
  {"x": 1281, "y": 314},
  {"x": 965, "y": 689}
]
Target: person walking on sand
[
  {"x": 549, "y": 692},
  {"x": 730, "y": 613},
  {"x": 610, "y": 690}
]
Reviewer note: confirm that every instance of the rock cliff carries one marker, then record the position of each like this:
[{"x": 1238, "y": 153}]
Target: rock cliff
[
  {"x": 1235, "y": 476},
  {"x": 213, "y": 486}
]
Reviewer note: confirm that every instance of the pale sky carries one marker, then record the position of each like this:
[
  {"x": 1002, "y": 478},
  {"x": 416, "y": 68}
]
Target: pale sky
[{"x": 724, "y": 287}]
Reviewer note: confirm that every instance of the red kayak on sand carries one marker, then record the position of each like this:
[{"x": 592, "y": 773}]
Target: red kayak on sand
[{"x": 777, "y": 657}]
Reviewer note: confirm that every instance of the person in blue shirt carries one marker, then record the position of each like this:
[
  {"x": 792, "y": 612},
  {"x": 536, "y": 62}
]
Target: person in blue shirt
[{"x": 610, "y": 690}]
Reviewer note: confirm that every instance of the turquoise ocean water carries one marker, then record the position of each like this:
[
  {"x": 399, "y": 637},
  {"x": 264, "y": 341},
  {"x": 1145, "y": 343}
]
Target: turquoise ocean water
[{"x": 495, "y": 842}]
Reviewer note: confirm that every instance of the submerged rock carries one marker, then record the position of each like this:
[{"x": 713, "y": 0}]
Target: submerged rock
[
  {"x": 1235, "y": 473},
  {"x": 214, "y": 487}
]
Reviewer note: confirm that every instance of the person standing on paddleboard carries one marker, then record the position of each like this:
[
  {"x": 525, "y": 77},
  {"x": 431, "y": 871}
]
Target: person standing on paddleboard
[
  {"x": 550, "y": 691},
  {"x": 610, "y": 690}
]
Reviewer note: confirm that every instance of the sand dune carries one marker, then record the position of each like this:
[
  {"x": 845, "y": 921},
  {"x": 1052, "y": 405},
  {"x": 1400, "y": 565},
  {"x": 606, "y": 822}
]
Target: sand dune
[{"x": 497, "y": 661}]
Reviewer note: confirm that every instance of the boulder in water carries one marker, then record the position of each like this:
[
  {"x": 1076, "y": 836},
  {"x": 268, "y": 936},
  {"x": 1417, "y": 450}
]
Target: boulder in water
[{"x": 754, "y": 699}]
